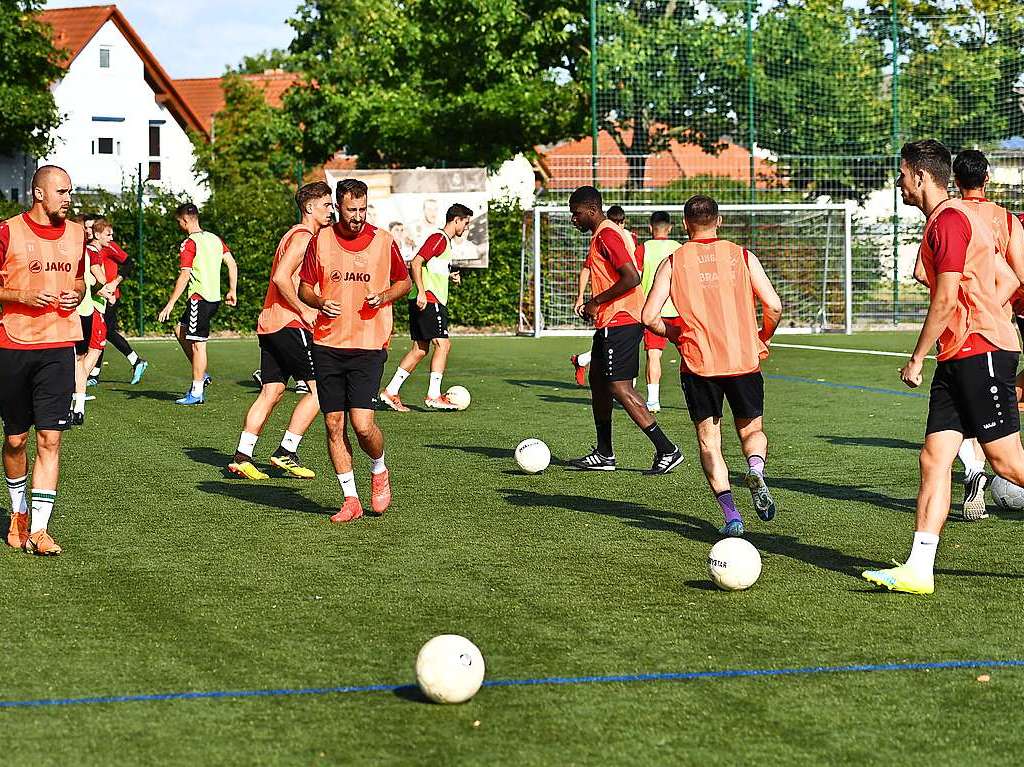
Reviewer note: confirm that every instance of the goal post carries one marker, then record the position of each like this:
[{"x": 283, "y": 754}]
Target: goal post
[{"x": 806, "y": 250}]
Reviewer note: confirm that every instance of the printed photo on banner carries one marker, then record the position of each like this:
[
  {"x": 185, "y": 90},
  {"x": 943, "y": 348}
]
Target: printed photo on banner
[{"x": 411, "y": 204}]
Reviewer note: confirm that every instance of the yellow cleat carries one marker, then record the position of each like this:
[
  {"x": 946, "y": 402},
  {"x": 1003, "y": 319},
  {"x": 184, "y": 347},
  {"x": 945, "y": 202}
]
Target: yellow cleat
[
  {"x": 288, "y": 463},
  {"x": 247, "y": 470},
  {"x": 901, "y": 578}
]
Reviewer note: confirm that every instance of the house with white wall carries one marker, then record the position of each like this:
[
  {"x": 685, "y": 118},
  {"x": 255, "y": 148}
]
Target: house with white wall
[{"x": 120, "y": 110}]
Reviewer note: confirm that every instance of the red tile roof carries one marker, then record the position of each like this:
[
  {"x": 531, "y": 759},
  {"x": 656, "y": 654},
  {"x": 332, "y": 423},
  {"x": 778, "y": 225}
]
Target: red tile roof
[
  {"x": 567, "y": 164},
  {"x": 73, "y": 28},
  {"x": 206, "y": 94}
]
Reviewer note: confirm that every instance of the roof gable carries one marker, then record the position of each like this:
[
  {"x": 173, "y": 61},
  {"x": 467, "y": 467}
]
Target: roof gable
[
  {"x": 73, "y": 28},
  {"x": 206, "y": 94}
]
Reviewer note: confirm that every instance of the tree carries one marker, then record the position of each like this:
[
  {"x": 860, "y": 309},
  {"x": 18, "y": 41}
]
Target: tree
[
  {"x": 30, "y": 68},
  {"x": 961, "y": 69},
  {"x": 430, "y": 82},
  {"x": 667, "y": 70},
  {"x": 251, "y": 142},
  {"x": 257, "y": 64}
]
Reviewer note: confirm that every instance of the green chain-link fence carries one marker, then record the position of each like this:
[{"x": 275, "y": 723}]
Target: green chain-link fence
[{"x": 803, "y": 100}]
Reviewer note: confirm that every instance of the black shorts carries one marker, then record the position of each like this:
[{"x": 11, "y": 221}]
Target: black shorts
[
  {"x": 704, "y": 396},
  {"x": 975, "y": 396},
  {"x": 195, "y": 320},
  {"x": 1020, "y": 325},
  {"x": 428, "y": 323},
  {"x": 615, "y": 354},
  {"x": 286, "y": 353},
  {"x": 347, "y": 379},
  {"x": 35, "y": 388}
]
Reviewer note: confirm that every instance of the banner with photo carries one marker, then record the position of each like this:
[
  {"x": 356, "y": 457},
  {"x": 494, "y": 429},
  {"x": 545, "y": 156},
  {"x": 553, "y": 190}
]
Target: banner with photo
[{"x": 411, "y": 204}]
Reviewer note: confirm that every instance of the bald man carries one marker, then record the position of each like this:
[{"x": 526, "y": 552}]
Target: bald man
[{"x": 42, "y": 282}]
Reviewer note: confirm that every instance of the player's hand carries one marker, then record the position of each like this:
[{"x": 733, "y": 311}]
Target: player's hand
[
  {"x": 165, "y": 313},
  {"x": 375, "y": 300},
  {"x": 589, "y": 311},
  {"x": 910, "y": 373},
  {"x": 107, "y": 292},
  {"x": 456, "y": 278},
  {"x": 39, "y": 299},
  {"x": 421, "y": 301},
  {"x": 330, "y": 308},
  {"x": 577, "y": 308},
  {"x": 231, "y": 299},
  {"x": 68, "y": 300}
]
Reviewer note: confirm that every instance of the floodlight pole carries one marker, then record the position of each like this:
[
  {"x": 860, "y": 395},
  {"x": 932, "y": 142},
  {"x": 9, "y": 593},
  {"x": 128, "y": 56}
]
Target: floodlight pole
[
  {"x": 141, "y": 256},
  {"x": 895, "y": 33},
  {"x": 593, "y": 92},
  {"x": 751, "y": 126}
]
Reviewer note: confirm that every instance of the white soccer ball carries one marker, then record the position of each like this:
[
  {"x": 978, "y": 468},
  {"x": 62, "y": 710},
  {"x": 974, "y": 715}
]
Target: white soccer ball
[
  {"x": 734, "y": 564},
  {"x": 1007, "y": 495},
  {"x": 459, "y": 396},
  {"x": 533, "y": 456},
  {"x": 449, "y": 669}
]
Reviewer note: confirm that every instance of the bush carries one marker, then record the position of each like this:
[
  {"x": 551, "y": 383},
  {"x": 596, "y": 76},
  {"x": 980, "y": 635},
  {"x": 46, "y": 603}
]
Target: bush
[{"x": 490, "y": 297}]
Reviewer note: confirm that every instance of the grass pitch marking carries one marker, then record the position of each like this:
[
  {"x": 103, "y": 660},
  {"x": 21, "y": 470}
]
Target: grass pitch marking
[
  {"x": 554, "y": 680},
  {"x": 872, "y": 352}
]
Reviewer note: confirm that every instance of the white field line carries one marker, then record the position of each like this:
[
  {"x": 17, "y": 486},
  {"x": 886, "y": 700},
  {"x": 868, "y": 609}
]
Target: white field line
[{"x": 873, "y": 352}]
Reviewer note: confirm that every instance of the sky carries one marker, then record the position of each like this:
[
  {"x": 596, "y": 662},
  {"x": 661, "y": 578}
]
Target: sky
[{"x": 201, "y": 38}]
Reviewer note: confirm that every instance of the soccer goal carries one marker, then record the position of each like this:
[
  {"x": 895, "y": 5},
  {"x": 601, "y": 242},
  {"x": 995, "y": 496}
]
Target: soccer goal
[{"x": 805, "y": 249}]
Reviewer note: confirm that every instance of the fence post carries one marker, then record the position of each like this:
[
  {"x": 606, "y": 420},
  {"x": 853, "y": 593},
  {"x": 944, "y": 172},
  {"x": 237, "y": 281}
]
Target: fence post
[
  {"x": 593, "y": 92},
  {"x": 895, "y": 34},
  {"x": 141, "y": 255},
  {"x": 751, "y": 126},
  {"x": 848, "y": 257},
  {"x": 537, "y": 319}
]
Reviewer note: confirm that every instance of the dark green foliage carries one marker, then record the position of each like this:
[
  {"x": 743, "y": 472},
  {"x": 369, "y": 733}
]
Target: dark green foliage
[{"x": 29, "y": 69}]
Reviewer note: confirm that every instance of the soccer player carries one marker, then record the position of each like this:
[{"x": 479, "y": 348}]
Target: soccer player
[
  {"x": 42, "y": 281},
  {"x": 202, "y": 254},
  {"x": 615, "y": 310},
  {"x": 579, "y": 362},
  {"x": 428, "y": 312},
  {"x": 714, "y": 285},
  {"x": 650, "y": 255},
  {"x": 113, "y": 258},
  {"x": 972, "y": 391},
  {"x": 352, "y": 274},
  {"x": 94, "y": 328},
  {"x": 286, "y": 350},
  {"x": 970, "y": 174}
]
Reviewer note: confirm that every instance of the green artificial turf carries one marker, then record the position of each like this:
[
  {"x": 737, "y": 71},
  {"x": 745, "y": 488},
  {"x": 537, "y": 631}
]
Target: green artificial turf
[{"x": 179, "y": 578}]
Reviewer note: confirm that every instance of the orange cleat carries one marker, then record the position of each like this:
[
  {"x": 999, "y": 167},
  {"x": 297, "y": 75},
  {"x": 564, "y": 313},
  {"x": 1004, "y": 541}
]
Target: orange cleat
[
  {"x": 351, "y": 510},
  {"x": 393, "y": 401},
  {"x": 17, "y": 533},
  {"x": 440, "y": 403},
  {"x": 42, "y": 545},
  {"x": 380, "y": 497},
  {"x": 581, "y": 371}
]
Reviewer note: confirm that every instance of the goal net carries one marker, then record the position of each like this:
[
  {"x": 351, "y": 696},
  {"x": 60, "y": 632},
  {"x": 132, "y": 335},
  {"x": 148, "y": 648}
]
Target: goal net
[{"x": 805, "y": 249}]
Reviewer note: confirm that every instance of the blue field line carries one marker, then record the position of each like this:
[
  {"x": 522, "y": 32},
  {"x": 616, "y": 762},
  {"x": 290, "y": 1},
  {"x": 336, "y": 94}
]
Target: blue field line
[
  {"x": 834, "y": 385},
  {"x": 554, "y": 680}
]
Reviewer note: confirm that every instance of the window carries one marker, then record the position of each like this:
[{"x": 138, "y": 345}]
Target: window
[
  {"x": 104, "y": 58},
  {"x": 154, "y": 171},
  {"x": 14, "y": 194},
  {"x": 105, "y": 146},
  {"x": 154, "y": 140}
]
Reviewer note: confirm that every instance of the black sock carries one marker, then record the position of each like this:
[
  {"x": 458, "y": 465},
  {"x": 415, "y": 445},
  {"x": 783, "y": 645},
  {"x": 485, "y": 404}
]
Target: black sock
[
  {"x": 661, "y": 443},
  {"x": 242, "y": 457},
  {"x": 604, "y": 438}
]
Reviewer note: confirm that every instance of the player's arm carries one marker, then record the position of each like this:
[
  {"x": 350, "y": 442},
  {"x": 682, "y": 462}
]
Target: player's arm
[
  {"x": 106, "y": 289},
  {"x": 943, "y": 304},
  {"x": 1015, "y": 248},
  {"x": 764, "y": 291},
  {"x": 1006, "y": 281},
  {"x": 655, "y": 302},
  {"x": 231, "y": 298},
  {"x": 629, "y": 278},
  {"x": 577, "y": 307},
  {"x": 284, "y": 275},
  {"x": 400, "y": 282},
  {"x": 184, "y": 275},
  {"x": 416, "y": 269}
]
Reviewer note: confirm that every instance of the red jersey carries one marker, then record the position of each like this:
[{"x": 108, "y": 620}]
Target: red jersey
[{"x": 434, "y": 246}]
